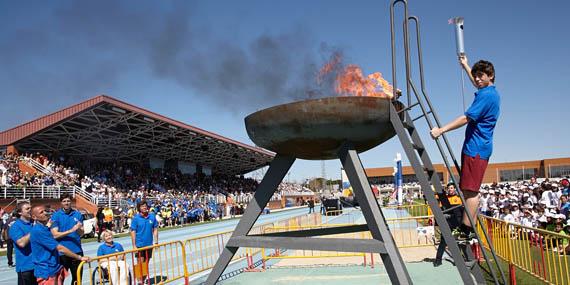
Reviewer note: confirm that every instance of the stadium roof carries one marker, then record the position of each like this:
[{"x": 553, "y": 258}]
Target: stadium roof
[{"x": 104, "y": 128}]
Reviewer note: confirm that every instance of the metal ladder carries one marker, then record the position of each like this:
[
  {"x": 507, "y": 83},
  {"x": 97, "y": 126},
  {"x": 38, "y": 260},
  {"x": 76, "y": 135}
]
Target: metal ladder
[{"x": 407, "y": 133}]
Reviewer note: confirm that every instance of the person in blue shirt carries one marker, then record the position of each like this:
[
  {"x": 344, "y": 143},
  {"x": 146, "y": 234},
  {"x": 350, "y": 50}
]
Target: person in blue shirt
[
  {"x": 45, "y": 250},
  {"x": 20, "y": 234},
  {"x": 115, "y": 264},
  {"x": 67, "y": 229},
  {"x": 481, "y": 119},
  {"x": 143, "y": 228}
]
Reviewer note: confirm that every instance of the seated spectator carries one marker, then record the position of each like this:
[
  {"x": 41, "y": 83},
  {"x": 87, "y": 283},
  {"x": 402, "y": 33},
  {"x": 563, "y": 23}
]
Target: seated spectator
[{"x": 116, "y": 265}]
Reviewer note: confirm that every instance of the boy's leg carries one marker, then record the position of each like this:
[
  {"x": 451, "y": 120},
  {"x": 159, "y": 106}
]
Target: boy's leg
[
  {"x": 472, "y": 172},
  {"x": 471, "y": 207}
]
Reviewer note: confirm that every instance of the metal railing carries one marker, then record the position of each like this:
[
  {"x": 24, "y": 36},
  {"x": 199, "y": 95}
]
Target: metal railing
[
  {"x": 39, "y": 167},
  {"x": 161, "y": 263},
  {"x": 35, "y": 192},
  {"x": 543, "y": 254},
  {"x": 171, "y": 261},
  {"x": 36, "y": 165}
]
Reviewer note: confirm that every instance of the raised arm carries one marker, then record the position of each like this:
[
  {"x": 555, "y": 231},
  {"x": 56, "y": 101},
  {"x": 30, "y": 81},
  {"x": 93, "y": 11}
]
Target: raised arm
[
  {"x": 69, "y": 253},
  {"x": 465, "y": 64}
]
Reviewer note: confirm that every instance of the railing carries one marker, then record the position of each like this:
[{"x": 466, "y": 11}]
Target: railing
[
  {"x": 276, "y": 253},
  {"x": 34, "y": 192},
  {"x": 161, "y": 263},
  {"x": 541, "y": 253},
  {"x": 175, "y": 260},
  {"x": 77, "y": 190},
  {"x": 38, "y": 166},
  {"x": 410, "y": 210},
  {"x": 89, "y": 196}
]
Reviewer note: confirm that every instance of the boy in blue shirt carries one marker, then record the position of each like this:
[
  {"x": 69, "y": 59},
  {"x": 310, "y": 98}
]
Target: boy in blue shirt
[
  {"x": 116, "y": 264},
  {"x": 67, "y": 229},
  {"x": 20, "y": 234},
  {"x": 45, "y": 250},
  {"x": 480, "y": 118},
  {"x": 143, "y": 228}
]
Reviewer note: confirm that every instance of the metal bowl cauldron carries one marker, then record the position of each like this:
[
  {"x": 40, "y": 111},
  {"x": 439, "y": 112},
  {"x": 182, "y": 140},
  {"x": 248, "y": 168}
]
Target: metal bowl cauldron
[{"x": 316, "y": 129}]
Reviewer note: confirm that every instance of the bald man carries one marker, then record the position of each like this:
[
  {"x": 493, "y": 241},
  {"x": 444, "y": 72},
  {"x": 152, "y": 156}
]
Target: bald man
[{"x": 45, "y": 248}]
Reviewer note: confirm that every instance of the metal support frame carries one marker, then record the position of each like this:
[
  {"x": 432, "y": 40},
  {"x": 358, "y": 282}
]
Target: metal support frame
[{"x": 382, "y": 241}]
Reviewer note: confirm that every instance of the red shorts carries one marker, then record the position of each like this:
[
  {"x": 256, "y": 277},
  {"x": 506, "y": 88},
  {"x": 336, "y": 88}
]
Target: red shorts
[
  {"x": 57, "y": 279},
  {"x": 472, "y": 172}
]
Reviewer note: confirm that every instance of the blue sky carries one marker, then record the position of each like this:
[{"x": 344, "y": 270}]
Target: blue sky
[{"x": 210, "y": 63}]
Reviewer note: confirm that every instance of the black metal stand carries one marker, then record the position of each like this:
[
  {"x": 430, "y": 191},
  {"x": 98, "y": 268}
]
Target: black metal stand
[{"x": 381, "y": 242}]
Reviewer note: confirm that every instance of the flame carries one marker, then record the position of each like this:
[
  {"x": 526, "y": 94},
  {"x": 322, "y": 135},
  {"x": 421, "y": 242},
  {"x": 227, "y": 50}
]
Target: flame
[{"x": 350, "y": 80}]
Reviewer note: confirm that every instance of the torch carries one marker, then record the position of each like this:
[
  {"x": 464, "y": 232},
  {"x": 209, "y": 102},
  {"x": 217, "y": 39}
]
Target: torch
[
  {"x": 458, "y": 22},
  {"x": 460, "y": 48}
]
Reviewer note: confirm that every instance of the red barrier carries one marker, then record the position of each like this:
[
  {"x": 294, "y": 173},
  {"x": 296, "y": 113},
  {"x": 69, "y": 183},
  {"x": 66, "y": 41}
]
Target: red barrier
[{"x": 512, "y": 274}]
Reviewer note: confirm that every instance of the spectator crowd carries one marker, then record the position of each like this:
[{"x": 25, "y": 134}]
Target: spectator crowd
[{"x": 542, "y": 205}]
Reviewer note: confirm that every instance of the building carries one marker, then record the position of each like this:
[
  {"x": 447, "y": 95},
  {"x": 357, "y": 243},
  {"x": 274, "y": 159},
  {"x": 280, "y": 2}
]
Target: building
[{"x": 496, "y": 172}]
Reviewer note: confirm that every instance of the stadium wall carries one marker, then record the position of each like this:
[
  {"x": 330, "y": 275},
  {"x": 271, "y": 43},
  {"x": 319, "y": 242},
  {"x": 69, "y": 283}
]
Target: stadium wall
[{"x": 496, "y": 172}]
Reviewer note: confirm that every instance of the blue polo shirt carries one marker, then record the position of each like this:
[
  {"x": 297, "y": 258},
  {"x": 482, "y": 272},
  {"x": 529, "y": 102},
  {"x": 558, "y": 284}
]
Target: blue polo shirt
[
  {"x": 65, "y": 222},
  {"x": 143, "y": 229},
  {"x": 105, "y": 249},
  {"x": 44, "y": 252},
  {"x": 483, "y": 115},
  {"x": 18, "y": 230}
]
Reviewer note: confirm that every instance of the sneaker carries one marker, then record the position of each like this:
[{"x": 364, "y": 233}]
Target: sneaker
[{"x": 461, "y": 236}]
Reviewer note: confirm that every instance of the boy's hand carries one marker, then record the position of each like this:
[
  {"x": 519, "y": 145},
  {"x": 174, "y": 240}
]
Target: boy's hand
[
  {"x": 436, "y": 132},
  {"x": 463, "y": 61}
]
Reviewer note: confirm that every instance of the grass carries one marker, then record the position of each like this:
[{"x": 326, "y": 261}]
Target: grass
[{"x": 522, "y": 277}]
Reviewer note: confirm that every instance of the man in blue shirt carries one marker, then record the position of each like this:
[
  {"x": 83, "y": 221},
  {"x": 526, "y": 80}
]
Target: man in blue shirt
[
  {"x": 45, "y": 250},
  {"x": 20, "y": 234},
  {"x": 480, "y": 118},
  {"x": 67, "y": 229},
  {"x": 143, "y": 228}
]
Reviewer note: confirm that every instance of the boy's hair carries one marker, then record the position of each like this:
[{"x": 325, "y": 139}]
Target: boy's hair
[
  {"x": 139, "y": 204},
  {"x": 64, "y": 196},
  {"x": 484, "y": 66}
]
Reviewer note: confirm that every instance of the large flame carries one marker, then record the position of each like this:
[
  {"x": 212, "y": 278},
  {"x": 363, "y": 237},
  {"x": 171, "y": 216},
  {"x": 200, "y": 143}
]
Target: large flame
[{"x": 350, "y": 81}]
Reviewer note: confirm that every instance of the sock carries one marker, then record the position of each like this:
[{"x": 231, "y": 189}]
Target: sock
[{"x": 466, "y": 229}]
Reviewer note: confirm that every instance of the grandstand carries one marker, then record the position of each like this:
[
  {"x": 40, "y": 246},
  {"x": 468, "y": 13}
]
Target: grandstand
[{"x": 104, "y": 129}]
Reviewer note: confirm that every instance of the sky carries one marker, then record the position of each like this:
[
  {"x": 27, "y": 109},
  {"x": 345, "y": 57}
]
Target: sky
[{"x": 211, "y": 63}]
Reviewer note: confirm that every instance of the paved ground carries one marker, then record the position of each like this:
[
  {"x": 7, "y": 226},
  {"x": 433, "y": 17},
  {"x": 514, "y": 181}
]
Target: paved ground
[{"x": 421, "y": 273}]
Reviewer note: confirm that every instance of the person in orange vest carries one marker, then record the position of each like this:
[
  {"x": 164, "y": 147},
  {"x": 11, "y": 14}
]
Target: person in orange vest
[
  {"x": 454, "y": 220},
  {"x": 108, "y": 213}
]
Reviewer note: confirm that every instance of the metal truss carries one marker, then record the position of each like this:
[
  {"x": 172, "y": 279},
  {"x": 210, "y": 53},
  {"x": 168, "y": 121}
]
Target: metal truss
[{"x": 108, "y": 133}]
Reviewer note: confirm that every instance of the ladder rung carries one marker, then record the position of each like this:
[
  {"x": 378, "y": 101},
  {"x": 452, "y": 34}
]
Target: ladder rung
[
  {"x": 421, "y": 116},
  {"x": 452, "y": 208}
]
